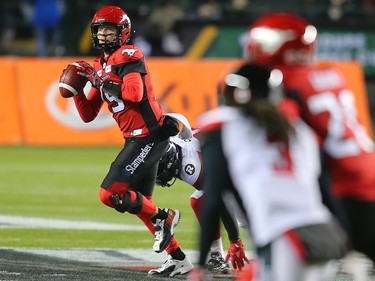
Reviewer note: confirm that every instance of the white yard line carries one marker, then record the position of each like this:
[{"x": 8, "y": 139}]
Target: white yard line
[
  {"x": 35, "y": 222},
  {"x": 109, "y": 257}
]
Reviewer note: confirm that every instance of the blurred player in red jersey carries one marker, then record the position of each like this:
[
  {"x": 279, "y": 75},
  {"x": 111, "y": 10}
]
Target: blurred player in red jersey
[
  {"x": 321, "y": 97},
  {"x": 183, "y": 160},
  {"x": 121, "y": 79}
]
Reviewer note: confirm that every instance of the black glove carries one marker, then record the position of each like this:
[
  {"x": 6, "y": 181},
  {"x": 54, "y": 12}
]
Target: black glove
[
  {"x": 169, "y": 128},
  {"x": 112, "y": 88}
]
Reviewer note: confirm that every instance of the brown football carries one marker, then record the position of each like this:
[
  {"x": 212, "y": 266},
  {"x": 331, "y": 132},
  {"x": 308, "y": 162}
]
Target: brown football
[{"x": 70, "y": 82}]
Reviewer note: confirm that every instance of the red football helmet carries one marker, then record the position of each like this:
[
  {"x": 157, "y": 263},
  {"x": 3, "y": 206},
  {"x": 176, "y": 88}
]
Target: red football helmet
[
  {"x": 280, "y": 38},
  {"x": 115, "y": 16}
]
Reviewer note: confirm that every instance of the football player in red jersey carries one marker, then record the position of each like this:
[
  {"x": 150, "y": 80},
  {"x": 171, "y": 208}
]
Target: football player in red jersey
[
  {"x": 321, "y": 97},
  {"x": 120, "y": 78}
]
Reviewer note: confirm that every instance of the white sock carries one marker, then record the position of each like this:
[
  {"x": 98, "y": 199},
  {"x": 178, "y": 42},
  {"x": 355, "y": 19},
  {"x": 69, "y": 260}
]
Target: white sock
[{"x": 217, "y": 246}]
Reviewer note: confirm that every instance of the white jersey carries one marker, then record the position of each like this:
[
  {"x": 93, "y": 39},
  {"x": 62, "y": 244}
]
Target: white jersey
[
  {"x": 278, "y": 193},
  {"x": 191, "y": 164}
]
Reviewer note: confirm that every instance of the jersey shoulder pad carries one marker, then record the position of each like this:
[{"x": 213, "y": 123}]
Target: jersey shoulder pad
[
  {"x": 214, "y": 119},
  {"x": 186, "y": 131},
  {"x": 127, "y": 53}
]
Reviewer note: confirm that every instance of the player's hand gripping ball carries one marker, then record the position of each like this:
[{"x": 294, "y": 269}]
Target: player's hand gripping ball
[{"x": 71, "y": 83}]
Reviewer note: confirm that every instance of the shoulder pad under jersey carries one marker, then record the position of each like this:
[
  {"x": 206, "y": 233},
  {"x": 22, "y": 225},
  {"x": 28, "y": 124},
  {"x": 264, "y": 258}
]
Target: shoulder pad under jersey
[{"x": 215, "y": 118}]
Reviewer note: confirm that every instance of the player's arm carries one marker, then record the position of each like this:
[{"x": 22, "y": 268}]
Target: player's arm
[
  {"x": 88, "y": 107},
  {"x": 130, "y": 89},
  {"x": 236, "y": 252},
  {"x": 230, "y": 225},
  {"x": 215, "y": 179},
  {"x": 127, "y": 82}
]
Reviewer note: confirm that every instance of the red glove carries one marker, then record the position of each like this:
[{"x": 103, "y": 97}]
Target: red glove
[
  {"x": 236, "y": 254},
  {"x": 89, "y": 72}
]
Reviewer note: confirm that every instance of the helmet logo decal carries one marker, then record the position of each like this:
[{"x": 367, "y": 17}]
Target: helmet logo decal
[
  {"x": 189, "y": 169},
  {"x": 271, "y": 39},
  {"x": 125, "y": 19},
  {"x": 130, "y": 52},
  {"x": 310, "y": 34}
]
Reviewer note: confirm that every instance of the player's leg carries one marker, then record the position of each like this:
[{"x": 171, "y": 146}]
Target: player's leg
[
  {"x": 279, "y": 262},
  {"x": 177, "y": 263},
  {"x": 162, "y": 226},
  {"x": 362, "y": 217},
  {"x": 196, "y": 200},
  {"x": 216, "y": 261},
  {"x": 131, "y": 178}
]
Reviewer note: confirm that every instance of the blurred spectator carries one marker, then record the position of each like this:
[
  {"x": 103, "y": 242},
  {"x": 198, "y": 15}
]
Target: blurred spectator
[
  {"x": 368, "y": 7},
  {"x": 10, "y": 14},
  {"x": 45, "y": 17},
  {"x": 238, "y": 9},
  {"x": 161, "y": 34},
  {"x": 212, "y": 10}
]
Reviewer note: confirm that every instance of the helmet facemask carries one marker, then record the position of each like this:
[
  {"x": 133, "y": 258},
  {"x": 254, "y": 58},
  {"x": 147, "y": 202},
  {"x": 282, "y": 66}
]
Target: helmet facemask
[
  {"x": 168, "y": 169},
  {"x": 106, "y": 46}
]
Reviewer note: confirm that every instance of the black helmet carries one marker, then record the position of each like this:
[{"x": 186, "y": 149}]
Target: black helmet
[
  {"x": 251, "y": 82},
  {"x": 168, "y": 166}
]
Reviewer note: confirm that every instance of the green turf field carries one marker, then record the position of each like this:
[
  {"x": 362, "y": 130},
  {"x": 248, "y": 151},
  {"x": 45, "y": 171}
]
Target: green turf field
[{"x": 62, "y": 183}]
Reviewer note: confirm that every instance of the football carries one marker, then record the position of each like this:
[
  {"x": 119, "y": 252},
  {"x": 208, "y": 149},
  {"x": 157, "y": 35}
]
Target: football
[{"x": 70, "y": 82}]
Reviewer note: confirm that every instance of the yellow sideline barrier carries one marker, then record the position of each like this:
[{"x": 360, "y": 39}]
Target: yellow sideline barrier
[{"x": 33, "y": 113}]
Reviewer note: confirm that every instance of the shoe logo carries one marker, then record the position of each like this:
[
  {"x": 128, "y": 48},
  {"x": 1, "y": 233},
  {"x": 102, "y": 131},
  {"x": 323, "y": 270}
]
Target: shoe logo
[{"x": 170, "y": 217}]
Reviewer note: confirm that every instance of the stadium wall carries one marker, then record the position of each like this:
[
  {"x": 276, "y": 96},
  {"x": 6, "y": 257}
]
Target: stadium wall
[{"x": 33, "y": 113}]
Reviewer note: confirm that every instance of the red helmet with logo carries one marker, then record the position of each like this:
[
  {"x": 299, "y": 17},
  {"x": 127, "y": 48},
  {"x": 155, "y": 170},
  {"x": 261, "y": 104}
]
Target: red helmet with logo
[
  {"x": 111, "y": 15},
  {"x": 280, "y": 38}
]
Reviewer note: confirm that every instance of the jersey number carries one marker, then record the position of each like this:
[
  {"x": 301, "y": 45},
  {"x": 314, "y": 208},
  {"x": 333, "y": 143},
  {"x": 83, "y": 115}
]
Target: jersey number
[
  {"x": 119, "y": 103},
  {"x": 346, "y": 136}
]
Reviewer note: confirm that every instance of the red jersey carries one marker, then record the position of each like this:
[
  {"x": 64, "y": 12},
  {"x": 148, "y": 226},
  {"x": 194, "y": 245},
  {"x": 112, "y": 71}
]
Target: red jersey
[
  {"x": 136, "y": 111},
  {"x": 328, "y": 106}
]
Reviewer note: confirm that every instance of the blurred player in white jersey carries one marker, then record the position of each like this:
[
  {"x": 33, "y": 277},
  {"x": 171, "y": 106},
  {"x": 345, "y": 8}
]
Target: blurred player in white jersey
[{"x": 273, "y": 166}]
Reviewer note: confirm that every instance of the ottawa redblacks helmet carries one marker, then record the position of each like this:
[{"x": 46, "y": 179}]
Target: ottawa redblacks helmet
[
  {"x": 280, "y": 38},
  {"x": 168, "y": 166},
  {"x": 252, "y": 82},
  {"x": 111, "y": 15}
]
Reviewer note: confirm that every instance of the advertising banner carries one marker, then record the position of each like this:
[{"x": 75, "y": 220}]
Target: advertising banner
[
  {"x": 49, "y": 119},
  {"x": 10, "y": 123},
  {"x": 32, "y": 111},
  {"x": 181, "y": 86}
]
